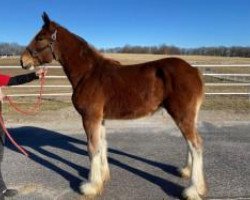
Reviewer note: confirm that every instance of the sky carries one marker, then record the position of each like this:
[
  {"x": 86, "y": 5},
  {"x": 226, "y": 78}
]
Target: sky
[{"x": 115, "y": 23}]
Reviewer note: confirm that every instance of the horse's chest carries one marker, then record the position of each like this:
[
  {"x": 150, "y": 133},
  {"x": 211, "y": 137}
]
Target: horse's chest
[{"x": 88, "y": 98}]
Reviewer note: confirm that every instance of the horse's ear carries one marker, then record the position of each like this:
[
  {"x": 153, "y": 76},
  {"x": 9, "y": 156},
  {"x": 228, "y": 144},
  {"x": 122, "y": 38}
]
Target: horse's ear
[{"x": 46, "y": 19}]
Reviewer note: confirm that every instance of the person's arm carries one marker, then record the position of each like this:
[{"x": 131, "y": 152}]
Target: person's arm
[
  {"x": 4, "y": 79},
  {"x": 21, "y": 79}
]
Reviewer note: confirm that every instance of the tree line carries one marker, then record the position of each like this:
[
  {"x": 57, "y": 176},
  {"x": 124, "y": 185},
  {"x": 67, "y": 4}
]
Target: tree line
[
  {"x": 14, "y": 49},
  {"x": 10, "y": 49},
  {"x": 234, "y": 51}
]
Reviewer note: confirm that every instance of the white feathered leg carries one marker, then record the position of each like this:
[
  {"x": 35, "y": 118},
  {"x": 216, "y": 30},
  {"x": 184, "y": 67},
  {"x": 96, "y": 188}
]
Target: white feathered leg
[
  {"x": 105, "y": 172},
  {"x": 198, "y": 185},
  {"x": 94, "y": 185},
  {"x": 186, "y": 171}
]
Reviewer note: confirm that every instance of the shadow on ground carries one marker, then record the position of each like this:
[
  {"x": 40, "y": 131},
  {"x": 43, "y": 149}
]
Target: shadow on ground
[{"x": 38, "y": 139}]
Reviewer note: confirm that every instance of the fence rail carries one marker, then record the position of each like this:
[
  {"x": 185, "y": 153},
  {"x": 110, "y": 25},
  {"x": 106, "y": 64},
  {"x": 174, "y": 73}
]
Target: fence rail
[{"x": 195, "y": 65}]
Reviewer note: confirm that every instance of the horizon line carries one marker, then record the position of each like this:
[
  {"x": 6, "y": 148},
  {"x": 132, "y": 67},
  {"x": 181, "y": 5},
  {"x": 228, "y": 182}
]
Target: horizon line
[{"x": 156, "y": 45}]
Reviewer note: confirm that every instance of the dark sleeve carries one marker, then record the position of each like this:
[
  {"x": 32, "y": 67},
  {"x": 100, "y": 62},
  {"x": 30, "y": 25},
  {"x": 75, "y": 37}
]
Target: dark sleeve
[{"x": 21, "y": 79}]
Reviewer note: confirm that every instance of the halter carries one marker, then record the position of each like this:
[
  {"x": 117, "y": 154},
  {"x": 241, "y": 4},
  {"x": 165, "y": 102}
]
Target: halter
[
  {"x": 35, "y": 53},
  {"x": 53, "y": 37}
]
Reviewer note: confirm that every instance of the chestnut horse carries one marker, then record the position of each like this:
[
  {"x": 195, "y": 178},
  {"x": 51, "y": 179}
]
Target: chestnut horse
[{"x": 104, "y": 89}]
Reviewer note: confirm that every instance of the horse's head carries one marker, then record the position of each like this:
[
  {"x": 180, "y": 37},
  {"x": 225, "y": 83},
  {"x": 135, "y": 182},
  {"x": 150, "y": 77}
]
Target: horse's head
[{"x": 41, "y": 49}]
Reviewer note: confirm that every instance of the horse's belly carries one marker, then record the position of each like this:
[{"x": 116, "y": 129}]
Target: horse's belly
[
  {"x": 130, "y": 108},
  {"x": 129, "y": 113}
]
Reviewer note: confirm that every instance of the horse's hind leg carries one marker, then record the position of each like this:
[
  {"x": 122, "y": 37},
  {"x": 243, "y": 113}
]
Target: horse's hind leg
[
  {"x": 185, "y": 116},
  {"x": 192, "y": 116},
  {"x": 186, "y": 171},
  {"x": 198, "y": 185}
]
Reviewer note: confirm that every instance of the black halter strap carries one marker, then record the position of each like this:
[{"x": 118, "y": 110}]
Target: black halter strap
[
  {"x": 53, "y": 38},
  {"x": 35, "y": 53}
]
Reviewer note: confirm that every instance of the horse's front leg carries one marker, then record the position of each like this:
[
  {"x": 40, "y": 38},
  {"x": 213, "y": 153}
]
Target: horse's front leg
[{"x": 93, "y": 129}]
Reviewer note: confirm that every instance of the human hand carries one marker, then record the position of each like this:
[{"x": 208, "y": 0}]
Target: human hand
[{"x": 41, "y": 72}]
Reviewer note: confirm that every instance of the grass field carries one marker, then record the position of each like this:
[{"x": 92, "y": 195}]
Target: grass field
[{"x": 211, "y": 102}]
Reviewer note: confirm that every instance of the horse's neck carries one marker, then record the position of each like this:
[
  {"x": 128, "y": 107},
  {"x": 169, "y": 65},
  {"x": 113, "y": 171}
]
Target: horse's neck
[{"x": 76, "y": 57}]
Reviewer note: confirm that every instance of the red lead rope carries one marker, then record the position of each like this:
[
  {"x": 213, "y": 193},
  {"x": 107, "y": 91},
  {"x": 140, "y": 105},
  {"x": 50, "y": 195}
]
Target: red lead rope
[
  {"x": 21, "y": 149},
  {"x": 35, "y": 109}
]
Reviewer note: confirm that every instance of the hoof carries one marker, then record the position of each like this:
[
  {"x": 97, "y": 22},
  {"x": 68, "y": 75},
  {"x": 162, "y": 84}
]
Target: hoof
[
  {"x": 91, "y": 189},
  {"x": 185, "y": 173},
  {"x": 191, "y": 193}
]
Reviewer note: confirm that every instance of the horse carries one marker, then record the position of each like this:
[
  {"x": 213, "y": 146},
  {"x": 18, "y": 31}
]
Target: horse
[{"x": 105, "y": 89}]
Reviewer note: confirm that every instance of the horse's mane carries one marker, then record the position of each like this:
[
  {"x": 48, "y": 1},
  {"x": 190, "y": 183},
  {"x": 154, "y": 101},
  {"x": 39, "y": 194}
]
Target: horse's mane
[{"x": 85, "y": 44}]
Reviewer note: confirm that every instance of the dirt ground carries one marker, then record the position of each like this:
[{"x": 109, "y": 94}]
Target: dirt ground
[{"x": 68, "y": 117}]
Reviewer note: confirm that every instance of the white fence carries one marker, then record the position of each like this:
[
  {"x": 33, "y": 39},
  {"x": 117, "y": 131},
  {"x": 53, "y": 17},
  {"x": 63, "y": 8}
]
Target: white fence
[{"x": 247, "y": 84}]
